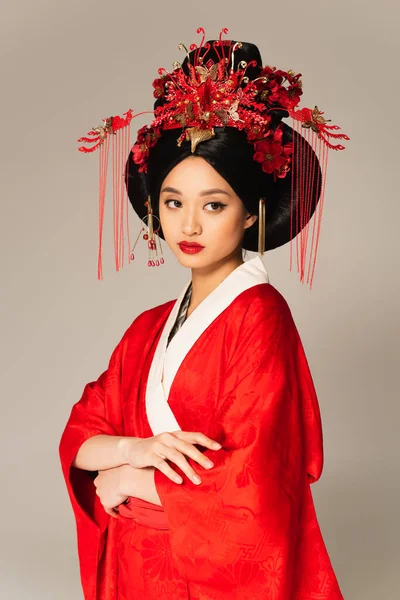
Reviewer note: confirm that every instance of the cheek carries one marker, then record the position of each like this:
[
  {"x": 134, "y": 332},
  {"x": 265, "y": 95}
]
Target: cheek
[
  {"x": 231, "y": 224},
  {"x": 163, "y": 217},
  {"x": 169, "y": 223}
]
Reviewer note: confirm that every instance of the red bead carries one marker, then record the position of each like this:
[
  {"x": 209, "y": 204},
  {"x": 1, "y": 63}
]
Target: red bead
[
  {"x": 132, "y": 256},
  {"x": 149, "y": 263},
  {"x": 157, "y": 262},
  {"x": 145, "y": 236},
  {"x": 162, "y": 261}
]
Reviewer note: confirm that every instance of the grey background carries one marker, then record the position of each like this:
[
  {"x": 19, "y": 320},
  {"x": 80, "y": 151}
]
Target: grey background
[{"x": 66, "y": 65}]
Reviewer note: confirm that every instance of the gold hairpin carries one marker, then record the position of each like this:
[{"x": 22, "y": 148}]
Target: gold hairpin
[{"x": 261, "y": 226}]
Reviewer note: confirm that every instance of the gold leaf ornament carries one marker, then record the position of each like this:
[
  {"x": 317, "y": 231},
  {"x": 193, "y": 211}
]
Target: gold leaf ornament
[
  {"x": 232, "y": 111},
  {"x": 181, "y": 119},
  {"x": 104, "y": 130},
  {"x": 223, "y": 115},
  {"x": 205, "y": 73},
  {"x": 197, "y": 135},
  {"x": 317, "y": 116}
]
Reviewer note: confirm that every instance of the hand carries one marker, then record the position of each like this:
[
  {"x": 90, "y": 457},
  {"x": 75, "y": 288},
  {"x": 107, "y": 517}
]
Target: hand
[
  {"x": 156, "y": 450},
  {"x": 108, "y": 488}
]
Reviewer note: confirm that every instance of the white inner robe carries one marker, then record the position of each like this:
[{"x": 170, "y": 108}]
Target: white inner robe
[{"x": 167, "y": 360}]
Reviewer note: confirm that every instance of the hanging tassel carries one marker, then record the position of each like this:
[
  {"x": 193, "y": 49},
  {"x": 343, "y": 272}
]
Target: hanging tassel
[
  {"x": 103, "y": 164},
  {"x": 154, "y": 260},
  {"x": 303, "y": 183},
  {"x": 119, "y": 130},
  {"x": 120, "y": 200}
]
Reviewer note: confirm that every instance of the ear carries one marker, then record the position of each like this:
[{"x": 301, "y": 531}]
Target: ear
[{"x": 250, "y": 220}]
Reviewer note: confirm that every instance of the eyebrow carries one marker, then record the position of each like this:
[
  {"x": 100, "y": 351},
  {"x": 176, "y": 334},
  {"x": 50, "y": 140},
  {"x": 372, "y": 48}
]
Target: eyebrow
[{"x": 203, "y": 193}]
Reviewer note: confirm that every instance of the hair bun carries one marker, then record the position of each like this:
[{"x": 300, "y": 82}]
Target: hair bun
[
  {"x": 247, "y": 52},
  {"x": 277, "y": 114}
]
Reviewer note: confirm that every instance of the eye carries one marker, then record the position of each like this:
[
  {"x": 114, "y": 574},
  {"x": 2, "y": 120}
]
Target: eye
[
  {"x": 168, "y": 201},
  {"x": 218, "y": 205}
]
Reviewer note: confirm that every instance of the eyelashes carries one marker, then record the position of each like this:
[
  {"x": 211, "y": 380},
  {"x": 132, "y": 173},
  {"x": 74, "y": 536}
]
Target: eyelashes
[{"x": 219, "y": 205}]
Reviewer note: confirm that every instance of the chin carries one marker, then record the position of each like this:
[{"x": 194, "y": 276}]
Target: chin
[
  {"x": 202, "y": 260},
  {"x": 193, "y": 261}
]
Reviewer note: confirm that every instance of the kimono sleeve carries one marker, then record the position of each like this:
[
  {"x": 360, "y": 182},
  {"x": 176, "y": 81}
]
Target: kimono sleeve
[
  {"x": 96, "y": 412},
  {"x": 239, "y": 526}
]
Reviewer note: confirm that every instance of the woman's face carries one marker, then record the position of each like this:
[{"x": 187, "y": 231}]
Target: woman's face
[{"x": 197, "y": 205}]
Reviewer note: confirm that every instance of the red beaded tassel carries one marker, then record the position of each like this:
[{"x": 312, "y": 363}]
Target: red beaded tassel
[
  {"x": 304, "y": 183},
  {"x": 120, "y": 145},
  {"x": 312, "y": 128},
  {"x": 118, "y": 129},
  {"x": 151, "y": 237},
  {"x": 103, "y": 167},
  {"x": 120, "y": 201}
]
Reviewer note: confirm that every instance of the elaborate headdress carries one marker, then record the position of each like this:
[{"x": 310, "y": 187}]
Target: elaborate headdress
[{"x": 209, "y": 94}]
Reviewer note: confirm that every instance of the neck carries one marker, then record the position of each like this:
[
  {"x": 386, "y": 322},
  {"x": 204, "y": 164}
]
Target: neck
[{"x": 205, "y": 280}]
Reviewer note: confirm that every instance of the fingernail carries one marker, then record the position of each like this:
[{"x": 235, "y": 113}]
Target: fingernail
[
  {"x": 196, "y": 479},
  {"x": 217, "y": 445},
  {"x": 209, "y": 464},
  {"x": 178, "y": 479}
]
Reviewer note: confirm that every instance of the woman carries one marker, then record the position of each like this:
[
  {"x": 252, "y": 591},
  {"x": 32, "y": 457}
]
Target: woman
[{"x": 189, "y": 461}]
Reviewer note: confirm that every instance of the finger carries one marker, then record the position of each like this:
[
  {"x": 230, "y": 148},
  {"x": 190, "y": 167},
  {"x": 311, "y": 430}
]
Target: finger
[
  {"x": 189, "y": 450},
  {"x": 196, "y": 437},
  {"x": 164, "y": 467},
  {"x": 179, "y": 459},
  {"x": 166, "y": 437}
]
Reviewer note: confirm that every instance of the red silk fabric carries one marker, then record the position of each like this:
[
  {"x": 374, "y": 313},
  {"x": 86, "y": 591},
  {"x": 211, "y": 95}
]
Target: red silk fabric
[
  {"x": 250, "y": 529},
  {"x": 144, "y": 513}
]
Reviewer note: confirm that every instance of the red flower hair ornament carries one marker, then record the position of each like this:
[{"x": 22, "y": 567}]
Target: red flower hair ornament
[{"x": 214, "y": 94}]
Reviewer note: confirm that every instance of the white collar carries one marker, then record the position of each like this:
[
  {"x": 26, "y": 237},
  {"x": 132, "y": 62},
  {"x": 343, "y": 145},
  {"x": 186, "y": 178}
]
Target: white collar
[{"x": 250, "y": 273}]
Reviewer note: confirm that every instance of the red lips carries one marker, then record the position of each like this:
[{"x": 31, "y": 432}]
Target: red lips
[
  {"x": 191, "y": 244},
  {"x": 190, "y": 247}
]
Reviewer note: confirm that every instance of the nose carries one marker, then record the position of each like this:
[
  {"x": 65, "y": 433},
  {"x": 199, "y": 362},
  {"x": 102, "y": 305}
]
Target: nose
[{"x": 190, "y": 222}]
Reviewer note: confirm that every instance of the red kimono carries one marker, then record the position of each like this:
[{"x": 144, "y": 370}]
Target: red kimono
[{"x": 236, "y": 371}]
